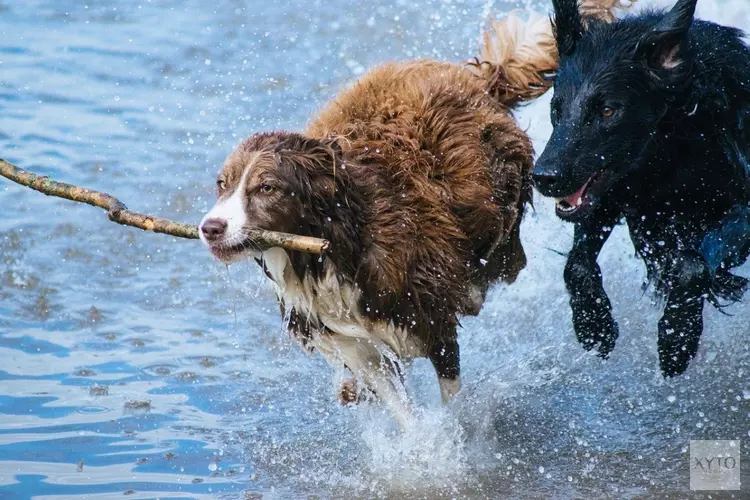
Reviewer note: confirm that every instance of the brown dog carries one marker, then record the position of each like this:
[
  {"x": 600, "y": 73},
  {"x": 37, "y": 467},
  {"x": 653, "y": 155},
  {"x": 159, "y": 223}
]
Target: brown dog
[{"x": 418, "y": 176}]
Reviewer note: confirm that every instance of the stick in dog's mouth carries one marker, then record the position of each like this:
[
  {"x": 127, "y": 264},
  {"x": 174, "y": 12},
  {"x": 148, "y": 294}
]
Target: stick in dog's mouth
[
  {"x": 234, "y": 252},
  {"x": 258, "y": 240}
]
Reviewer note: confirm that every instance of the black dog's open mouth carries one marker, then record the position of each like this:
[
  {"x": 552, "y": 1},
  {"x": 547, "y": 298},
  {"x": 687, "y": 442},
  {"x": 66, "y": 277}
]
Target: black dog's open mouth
[{"x": 569, "y": 206}]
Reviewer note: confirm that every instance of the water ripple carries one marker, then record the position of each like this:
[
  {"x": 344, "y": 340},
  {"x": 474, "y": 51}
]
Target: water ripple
[{"x": 133, "y": 366}]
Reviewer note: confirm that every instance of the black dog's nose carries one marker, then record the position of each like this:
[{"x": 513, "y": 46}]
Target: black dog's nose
[
  {"x": 545, "y": 182},
  {"x": 213, "y": 229}
]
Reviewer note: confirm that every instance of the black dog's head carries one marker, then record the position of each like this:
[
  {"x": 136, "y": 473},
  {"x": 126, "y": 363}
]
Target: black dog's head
[{"x": 614, "y": 85}]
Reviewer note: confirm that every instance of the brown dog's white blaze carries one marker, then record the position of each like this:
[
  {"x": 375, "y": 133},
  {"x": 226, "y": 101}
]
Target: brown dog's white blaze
[{"x": 222, "y": 227}]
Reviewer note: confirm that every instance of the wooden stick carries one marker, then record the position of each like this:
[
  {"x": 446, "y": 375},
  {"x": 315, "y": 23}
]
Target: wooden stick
[{"x": 119, "y": 213}]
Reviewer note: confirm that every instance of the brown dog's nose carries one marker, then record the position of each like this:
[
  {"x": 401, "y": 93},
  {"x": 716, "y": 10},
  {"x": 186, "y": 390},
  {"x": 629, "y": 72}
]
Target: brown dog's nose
[{"x": 213, "y": 229}]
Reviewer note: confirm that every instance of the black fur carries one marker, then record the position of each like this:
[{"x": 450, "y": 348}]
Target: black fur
[
  {"x": 651, "y": 118},
  {"x": 567, "y": 25}
]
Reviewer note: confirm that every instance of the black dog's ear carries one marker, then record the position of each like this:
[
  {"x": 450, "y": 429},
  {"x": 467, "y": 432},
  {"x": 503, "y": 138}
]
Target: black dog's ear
[
  {"x": 567, "y": 25},
  {"x": 664, "y": 47}
]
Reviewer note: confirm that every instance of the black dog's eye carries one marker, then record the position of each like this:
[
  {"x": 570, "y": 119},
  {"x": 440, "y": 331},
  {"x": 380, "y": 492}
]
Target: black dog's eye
[
  {"x": 221, "y": 185},
  {"x": 608, "y": 111},
  {"x": 266, "y": 189}
]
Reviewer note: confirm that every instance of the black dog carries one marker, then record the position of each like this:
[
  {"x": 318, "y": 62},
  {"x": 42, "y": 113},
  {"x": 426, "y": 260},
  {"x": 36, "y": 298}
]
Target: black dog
[{"x": 651, "y": 119}]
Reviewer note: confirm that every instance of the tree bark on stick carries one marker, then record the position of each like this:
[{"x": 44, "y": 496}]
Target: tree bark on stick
[{"x": 120, "y": 214}]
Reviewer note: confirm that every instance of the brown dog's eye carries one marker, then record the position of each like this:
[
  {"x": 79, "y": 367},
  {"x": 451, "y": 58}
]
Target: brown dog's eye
[
  {"x": 608, "y": 111},
  {"x": 266, "y": 189},
  {"x": 221, "y": 185}
]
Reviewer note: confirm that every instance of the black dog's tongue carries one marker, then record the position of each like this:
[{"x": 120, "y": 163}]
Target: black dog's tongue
[{"x": 575, "y": 199}]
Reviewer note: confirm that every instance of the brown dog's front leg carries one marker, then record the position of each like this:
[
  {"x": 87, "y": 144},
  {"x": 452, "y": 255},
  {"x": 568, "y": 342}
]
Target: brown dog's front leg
[{"x": 445, "y": 358}]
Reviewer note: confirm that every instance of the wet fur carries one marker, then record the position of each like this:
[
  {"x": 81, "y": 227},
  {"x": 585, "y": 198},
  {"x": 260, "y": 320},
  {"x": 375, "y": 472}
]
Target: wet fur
[
  {"x": 674, "y": 163},
  {"x": 418, "y": 178}
]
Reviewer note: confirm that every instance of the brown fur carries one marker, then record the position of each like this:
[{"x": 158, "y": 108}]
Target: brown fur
[{"x": 415, "y": 175}]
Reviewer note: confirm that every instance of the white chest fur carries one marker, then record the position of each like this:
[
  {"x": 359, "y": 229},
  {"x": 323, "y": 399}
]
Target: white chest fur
[{"x": 327, "y": 302}]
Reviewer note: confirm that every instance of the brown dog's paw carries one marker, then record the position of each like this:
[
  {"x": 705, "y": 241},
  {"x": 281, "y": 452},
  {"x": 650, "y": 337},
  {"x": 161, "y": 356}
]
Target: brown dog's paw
[
  {"x": 352, "y": 392},
  {"x": 348, "y": 393}
]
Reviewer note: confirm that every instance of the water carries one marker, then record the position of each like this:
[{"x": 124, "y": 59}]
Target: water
[{"x": 132, "y": 363}]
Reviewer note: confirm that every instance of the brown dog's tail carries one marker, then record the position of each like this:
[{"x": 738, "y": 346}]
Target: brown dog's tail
[
  {"x": 518, "y": 58},
  {"x": 603, "y": 10}
]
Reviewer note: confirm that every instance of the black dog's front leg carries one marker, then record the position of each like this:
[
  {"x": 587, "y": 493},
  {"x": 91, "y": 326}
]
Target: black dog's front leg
[
  {"x": 681, "y": 326},
  {"x": 592, "y": 311}
]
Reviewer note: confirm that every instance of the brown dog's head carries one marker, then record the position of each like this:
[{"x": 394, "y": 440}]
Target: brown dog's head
[{"x": 279, "y": 182}]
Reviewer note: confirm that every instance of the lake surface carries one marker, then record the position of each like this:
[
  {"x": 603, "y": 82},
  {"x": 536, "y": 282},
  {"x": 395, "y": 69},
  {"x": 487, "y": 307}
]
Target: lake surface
[{"x": 132, "y": 364}]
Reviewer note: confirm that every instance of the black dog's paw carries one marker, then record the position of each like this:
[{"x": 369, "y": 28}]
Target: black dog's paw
[
  {"x": 679, "y": 338},
  {"x": 595, "y": 327}
]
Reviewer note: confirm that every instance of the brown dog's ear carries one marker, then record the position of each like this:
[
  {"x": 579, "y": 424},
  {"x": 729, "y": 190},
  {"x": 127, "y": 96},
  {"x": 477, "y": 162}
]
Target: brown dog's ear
[
  {"x": 319, "y": 148},
  {"x": 333, "y": 143},
  {"x": 307, "y": 152},
  {"x": 664, "y": 48},
  {"x": 315, "y": 166}
]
